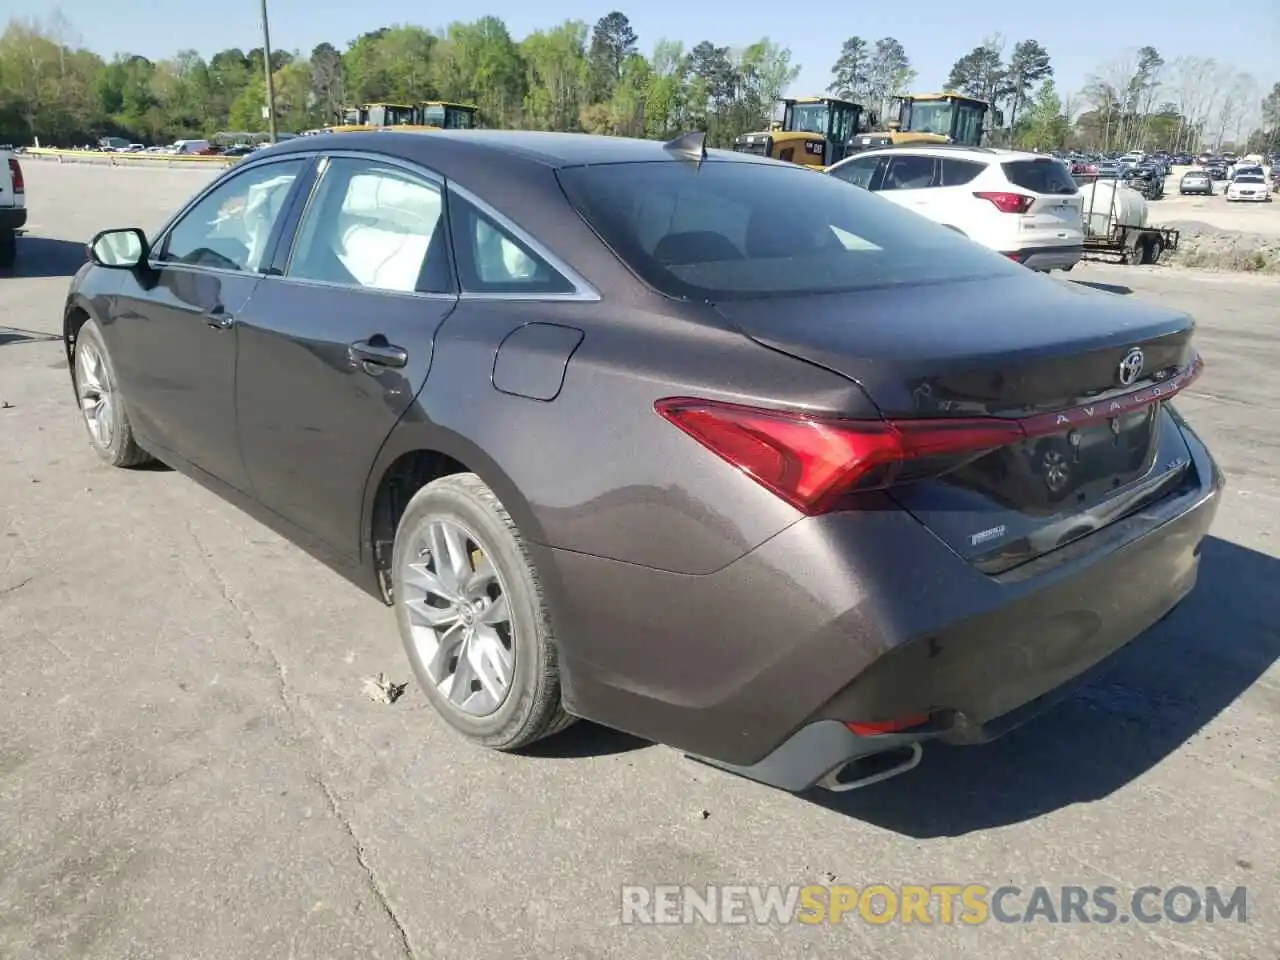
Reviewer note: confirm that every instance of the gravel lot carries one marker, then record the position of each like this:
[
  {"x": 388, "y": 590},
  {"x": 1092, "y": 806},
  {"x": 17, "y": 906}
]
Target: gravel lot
[{"x": 190, "y": 767}]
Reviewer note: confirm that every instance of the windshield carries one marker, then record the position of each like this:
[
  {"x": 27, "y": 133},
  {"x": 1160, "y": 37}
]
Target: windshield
[
  {"x": 744, "y": 230},
  {"x": 810, "y": 117},
  {"x": 932, "y": 116}
]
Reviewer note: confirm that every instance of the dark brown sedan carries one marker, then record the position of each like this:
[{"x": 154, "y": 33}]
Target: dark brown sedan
[{"x": 704, "y": 447}]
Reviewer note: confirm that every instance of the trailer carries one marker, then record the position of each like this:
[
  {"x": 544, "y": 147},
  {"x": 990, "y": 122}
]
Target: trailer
[{"x": 1115, "y": 227}]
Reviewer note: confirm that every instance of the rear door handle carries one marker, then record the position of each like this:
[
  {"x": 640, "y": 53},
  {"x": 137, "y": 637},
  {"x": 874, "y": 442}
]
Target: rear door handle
[
  {"x": 379, "y": 354},
  {"x": 219, "y": 319}
]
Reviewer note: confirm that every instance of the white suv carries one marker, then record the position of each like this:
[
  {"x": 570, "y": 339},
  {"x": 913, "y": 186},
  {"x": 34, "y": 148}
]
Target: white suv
[
  {"x": 1025, "y": 206},
  {"x": 13, "y": 206}
]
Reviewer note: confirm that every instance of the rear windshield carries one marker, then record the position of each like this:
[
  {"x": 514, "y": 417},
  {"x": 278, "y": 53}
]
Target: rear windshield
[
  {"x": 1250, "y": 178},
  {"x": 1040, "y": 176},
  {"x": 733, "y": 231}
]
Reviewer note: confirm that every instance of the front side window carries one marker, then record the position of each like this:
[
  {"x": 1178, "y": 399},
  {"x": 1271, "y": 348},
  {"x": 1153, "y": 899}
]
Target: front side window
[
  {"x": 372, "y": 226},
  {"x": 859, "y": 172},
  {"x": 230, "y": 228},
  {"x": 732, "y": 230},
  {"x": 968, "y": 124}
]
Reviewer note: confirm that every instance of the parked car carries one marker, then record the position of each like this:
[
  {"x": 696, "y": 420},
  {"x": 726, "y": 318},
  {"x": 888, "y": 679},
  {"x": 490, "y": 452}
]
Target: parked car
[
  {"x": 1217, "y": 170},
  {"x": 1023, "y": 205},
  {"x": 13, "y": 206},
  {"x": 698, "y": 445},
  {"x": 1147, "y": 179},
  {"x": 1250, "y": 187},
  {"x": 1196, "y": 182}
]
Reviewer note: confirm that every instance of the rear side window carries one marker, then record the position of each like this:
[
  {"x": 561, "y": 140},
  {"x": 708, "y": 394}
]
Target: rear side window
[
  {"x": 909, "y": 173},
  {"x": 956, "y": 173},
  {"x": 738, "y": 230},
  {"x": 1040, "y": 176}
]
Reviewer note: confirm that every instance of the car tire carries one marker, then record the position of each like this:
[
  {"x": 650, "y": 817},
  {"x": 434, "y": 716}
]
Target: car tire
[
  {"x": 8, "y": 249},
  {"x": 1152, "y": 250},
  {"x": 102, "y": 406},
  {"x": 499, "y": 639}
]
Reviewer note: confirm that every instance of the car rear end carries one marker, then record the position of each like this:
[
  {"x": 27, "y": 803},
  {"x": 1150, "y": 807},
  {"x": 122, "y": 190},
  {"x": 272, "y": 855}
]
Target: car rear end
[
  {"x": 1196, "y": 181},
  {"x": 13, "y": 205},
  {"x": 1007, "y": 497},
  {"x": 1030, "y": 210}
]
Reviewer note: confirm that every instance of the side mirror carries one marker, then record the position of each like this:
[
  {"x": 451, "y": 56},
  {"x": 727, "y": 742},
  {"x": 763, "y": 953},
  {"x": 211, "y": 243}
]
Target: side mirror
[{"x": 124, "y": 249}]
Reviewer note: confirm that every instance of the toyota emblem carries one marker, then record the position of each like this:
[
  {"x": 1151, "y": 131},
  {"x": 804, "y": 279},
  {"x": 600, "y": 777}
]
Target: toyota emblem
[{"x": 1131, "y": 367}]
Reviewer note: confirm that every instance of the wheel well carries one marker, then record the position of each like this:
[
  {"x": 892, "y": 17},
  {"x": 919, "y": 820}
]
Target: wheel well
[
  {"x": 71, "y": 324},
  {"x": 406, "y": 476}
]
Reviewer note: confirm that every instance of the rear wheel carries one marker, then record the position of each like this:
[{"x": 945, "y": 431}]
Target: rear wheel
[
  {"x": 101, "y": 406},
  {"x": 1152, "y": 250},
  {"x": 472, "y": 617}
]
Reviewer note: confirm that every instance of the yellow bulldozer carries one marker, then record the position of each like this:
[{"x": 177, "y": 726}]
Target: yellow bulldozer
[
  {"x": 813, "y": 132},
  {"x": 424, "y": 115},
  {"x": 945, "y": 117}
]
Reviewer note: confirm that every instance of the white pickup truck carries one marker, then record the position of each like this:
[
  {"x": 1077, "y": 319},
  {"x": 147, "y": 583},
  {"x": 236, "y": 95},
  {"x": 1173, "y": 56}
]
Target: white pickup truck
[{"x": 13, "y": 206}]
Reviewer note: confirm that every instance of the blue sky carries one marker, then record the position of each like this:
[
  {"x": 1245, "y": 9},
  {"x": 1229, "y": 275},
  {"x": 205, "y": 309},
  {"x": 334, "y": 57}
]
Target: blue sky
[{"x": 935, "y": 33}]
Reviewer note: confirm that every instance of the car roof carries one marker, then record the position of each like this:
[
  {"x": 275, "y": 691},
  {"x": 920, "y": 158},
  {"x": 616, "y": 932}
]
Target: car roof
[
  {"x": 980, "y": 154},
  {"x": 544, "y": 148}
]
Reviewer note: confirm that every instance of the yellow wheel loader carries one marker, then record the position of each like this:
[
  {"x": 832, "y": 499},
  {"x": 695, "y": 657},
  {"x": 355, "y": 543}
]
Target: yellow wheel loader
[{"x": 813, "y": 132}]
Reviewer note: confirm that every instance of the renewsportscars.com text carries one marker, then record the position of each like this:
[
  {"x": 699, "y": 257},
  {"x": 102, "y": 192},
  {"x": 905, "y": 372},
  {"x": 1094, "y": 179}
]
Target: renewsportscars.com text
[{"x": 963, "y": 904}]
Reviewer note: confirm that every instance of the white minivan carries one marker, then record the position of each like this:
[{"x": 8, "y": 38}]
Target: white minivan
[
  {"x": 189, "y": 147},
  {"x": 1025, "y": 206}
]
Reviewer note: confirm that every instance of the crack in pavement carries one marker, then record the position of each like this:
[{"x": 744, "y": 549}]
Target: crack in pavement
[
  {"x": 302, "y": 728},
  {"x": 16, "y": 586},
  {"x": 375, "y": 885},
  {"x": 250, "y": 634}
]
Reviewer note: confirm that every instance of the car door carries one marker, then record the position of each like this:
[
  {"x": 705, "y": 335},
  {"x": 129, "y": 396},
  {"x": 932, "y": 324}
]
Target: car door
[
  {"x": 909, "y": 181},
  {"x": 334, "y": 350},
  {"x": 172, "y": 331}
]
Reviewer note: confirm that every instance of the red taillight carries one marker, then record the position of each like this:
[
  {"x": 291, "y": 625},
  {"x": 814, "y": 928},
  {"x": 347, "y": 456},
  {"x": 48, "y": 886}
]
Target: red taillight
[
  {"x": 15, "y": 175},
  {"x": 1007, "y": 202},
  {"x": 810, "y": 461}
]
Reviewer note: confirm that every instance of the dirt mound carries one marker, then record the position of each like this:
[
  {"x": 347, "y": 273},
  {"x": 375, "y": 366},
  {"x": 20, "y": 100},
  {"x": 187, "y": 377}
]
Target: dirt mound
[{"x": 1212, "y": 248}]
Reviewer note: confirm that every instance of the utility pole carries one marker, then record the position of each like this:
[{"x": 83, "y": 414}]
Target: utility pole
[{"x": 266, "y": 65}]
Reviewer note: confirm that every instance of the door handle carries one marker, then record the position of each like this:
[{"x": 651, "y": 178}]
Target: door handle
[
  {"x": 219, "y": 319},
  {"x": 381, "y": 354}
]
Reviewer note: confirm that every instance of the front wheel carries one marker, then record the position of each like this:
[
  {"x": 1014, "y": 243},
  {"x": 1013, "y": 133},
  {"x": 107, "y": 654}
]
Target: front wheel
[
  {"x": 472, "y": 616},
  {"x": 101, "y": 405}
]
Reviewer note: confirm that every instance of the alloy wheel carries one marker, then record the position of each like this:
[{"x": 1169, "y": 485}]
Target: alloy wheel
[
  {"x": 459, "y": 616},
  {"x": 96, "y": 393}
]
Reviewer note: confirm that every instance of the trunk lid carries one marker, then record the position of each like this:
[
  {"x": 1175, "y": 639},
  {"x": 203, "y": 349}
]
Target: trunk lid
[{"x": 1100, "y": 444}]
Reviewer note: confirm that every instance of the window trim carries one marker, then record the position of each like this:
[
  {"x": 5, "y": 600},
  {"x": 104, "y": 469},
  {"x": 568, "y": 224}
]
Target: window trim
[
  {"x": 304, "y": 180},
  {"x": 284, "y": 253},
  {"x": 583, "y": 292}
]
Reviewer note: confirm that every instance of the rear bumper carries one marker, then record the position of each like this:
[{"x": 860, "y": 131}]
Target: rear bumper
[
  {"x": 13, "y": 218},
  {"x": 860, "y": 616},
  {"x": 1048, "y": 258}
]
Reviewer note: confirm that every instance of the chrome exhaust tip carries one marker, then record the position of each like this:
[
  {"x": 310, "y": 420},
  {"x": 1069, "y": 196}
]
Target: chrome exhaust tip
[{"x": 872, "y": 768}]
